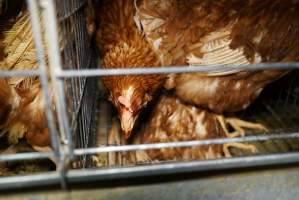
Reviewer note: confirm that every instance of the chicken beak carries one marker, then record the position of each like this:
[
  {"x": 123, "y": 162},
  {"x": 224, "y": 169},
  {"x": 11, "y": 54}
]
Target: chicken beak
[{"x": 127, "y": 123}]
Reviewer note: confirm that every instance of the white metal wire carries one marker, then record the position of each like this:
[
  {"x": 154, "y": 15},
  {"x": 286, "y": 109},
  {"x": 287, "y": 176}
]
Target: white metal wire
[
  {"x": 138, "y": 147},
  {"x": 4, "y": 73},
  {"x": 81, "y": 176},
  {"x": 177, "y": 69},
  {"x": 33, "y": 8},
  {"x": 55, "y": 68},
  {"x": 25, "y": 156}
]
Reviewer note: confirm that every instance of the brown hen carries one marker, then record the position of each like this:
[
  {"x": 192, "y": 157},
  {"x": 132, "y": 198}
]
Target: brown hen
[
  {"x": 22, "y": 113},
  {"x": 171, "y": 120},
  {"x": 205, "y": 33},
  {"x": 121, "y": 45}
]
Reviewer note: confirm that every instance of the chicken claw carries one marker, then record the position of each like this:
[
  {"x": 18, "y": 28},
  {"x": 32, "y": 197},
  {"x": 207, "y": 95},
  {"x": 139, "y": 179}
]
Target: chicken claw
[
  {"x": 238, "y": 126},
  {"x": 249, "y": 147}
]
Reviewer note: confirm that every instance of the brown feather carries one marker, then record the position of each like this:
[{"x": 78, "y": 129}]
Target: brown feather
[
  {"x": 22, "y": 104},
  {"x": 184, "y": 22},
  {"x": 5, "y": 97},
  {"x": 171, "y": 121},
  {"x": 267, "y": 29},
  {"x": 270, "y": 28},
  {"x": 123, "y": 46},
  {"x": 224, "y": 93},
  {"x": 116, "y": 24}
]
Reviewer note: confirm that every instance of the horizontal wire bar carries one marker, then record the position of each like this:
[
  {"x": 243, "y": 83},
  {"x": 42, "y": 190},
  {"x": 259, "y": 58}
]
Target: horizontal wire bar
[
  {"x": 25, "y": 156},
  {"x": 100, "y": 174},
  {"x": 179, "y": 167},
  {"x": 171, "y": 69},
  {"x": 183, "y": 144},
  {"x": 26, "y": 181},
  {"x": 152, "y": 70},
  {"x": 15, "y": 73}
]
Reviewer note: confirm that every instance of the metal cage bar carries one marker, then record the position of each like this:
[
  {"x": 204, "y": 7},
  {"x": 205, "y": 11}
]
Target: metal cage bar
[
  {"x": 55, "y": 68},
  {"x": 59, "y": 73},
  {"x": 43, "y": 75},
  {"x": 155, "y": 70},
  {"x": 48, "y": 9},
  {"x": 177, "y": 69},
  {"x": 79, "y": 176},
  {"x": 25, "y": 156},
  {"x": 137, "y": 147},
  {"x": 64, "y": 149},
  {"x": 4, "y": 73}
]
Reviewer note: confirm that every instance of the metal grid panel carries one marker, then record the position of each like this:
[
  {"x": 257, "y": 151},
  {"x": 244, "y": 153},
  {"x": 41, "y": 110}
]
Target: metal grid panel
[
  {"x": 80, "y": 90},
  {"x": 75, "y": 88},
  {"x": 42, "y": 73},
  {"x": 77, "y": 54}
]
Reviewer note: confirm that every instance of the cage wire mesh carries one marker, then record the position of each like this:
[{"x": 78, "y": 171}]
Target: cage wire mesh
[
  {"x": 19, "y": 48},
  {"x": 277, "y": 108},
  {"x": 77, "y": 54}
]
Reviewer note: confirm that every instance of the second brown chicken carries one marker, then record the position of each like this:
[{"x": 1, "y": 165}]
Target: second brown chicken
[{"x": 171, "y": 120}]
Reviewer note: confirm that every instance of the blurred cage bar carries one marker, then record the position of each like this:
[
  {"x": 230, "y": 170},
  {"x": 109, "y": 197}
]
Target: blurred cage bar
[{"x": 76, "y": 95}]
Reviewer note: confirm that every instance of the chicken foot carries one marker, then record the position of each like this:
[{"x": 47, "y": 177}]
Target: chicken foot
[
  {"x": 238, "y": 126},
  {"x": 226, "y": 147}
]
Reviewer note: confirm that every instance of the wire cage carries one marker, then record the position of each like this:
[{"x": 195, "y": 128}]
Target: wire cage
[
  {"x": 82, "y": 118},
  {"x": 71, "y": 126},
  {"x": 77, "y": 54}
]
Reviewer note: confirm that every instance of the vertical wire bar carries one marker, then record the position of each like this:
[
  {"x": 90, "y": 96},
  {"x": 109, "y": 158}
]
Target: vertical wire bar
[
  {"x": 76, "y": 84},
  {"x": 88, "y": 104},
  {"x": 34, "y": 16},
  {"x": 58, "y": 83},
  {"x": 56, "y": 69},
  {"x": 83, "y": 87},
  {"x": 69, "y": 53},
  {"x": 78, "y": 114}
]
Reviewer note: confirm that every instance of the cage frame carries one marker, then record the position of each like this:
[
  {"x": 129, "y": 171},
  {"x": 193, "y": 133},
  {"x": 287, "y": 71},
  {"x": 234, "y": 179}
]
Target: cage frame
[{"x": 63, "y": 145}]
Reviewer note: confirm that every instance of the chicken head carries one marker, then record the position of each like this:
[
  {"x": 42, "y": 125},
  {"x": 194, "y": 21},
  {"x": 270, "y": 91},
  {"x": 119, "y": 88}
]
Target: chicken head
[{"x": 131, "y": 93}]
